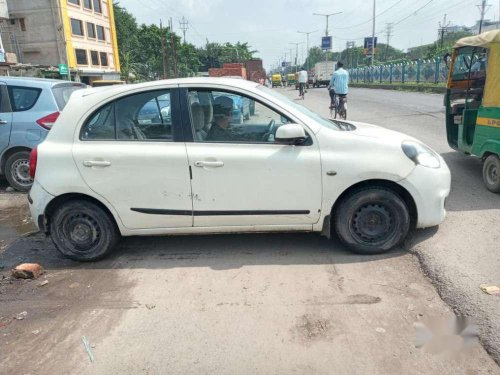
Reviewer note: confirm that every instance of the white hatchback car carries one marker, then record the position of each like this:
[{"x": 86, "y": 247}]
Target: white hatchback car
[{"x": 165, "y": 158}]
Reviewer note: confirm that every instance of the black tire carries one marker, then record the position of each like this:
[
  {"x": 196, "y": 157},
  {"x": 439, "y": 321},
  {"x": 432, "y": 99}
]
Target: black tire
[
  {"x": 83, "y": 231},
  {"x": 388, "y": 216},
  {"x": 491, "y": 173},
  {"x": 17, "y": 171}
]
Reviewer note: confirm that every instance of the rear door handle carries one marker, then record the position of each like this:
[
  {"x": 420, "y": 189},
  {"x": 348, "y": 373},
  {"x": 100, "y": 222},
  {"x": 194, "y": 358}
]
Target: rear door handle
[
  {"x": 3, "y": 122},
  {"x": 96, "y": 163},
  {"x": 209, "y": 164}
]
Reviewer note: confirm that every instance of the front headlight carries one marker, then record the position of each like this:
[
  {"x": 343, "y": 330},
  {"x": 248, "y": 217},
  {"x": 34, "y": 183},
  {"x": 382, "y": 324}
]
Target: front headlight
[{"x": 421, "y": 154}]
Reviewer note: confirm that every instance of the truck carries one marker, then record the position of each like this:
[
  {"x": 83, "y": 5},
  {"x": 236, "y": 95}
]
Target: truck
[
  {"x": 323, "y": 71},
  {"x": 255, "y": 70}
]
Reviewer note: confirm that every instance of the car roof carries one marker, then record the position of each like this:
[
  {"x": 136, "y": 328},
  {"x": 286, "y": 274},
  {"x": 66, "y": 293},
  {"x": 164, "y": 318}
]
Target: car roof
[
  {"x": 33, "y": 81},
  {"x": 117, "y": 89}
]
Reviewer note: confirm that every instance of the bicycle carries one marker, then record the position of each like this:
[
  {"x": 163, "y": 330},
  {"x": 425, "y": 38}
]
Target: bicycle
[
  {"x": 341, "y": 106},
  {"x": 302, "y": 90}
]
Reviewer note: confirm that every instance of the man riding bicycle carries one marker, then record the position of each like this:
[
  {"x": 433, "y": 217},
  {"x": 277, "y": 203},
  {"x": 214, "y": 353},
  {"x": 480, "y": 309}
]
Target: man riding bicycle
[
  {"x": 339, "y": 84},
  {"x": 302, "y": 82}
]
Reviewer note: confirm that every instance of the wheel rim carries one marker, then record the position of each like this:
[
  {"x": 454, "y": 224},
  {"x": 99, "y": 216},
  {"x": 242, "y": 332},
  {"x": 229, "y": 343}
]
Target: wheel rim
[
  {"x": 20, "y": 172},
  {"x": 492, "y": 174},
  {"x": 373, "y": 224},
  {"x": 81, "y": 232}
]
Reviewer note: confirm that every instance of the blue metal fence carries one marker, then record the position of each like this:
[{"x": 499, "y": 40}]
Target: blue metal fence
[{"x": 418, "y": 71}]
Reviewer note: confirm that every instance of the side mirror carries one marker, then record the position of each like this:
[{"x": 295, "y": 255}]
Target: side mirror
[{"x": 291, "y": 134}]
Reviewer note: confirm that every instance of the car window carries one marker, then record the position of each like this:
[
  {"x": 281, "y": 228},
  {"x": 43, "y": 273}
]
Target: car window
[
  {"x": 63, "y": 93},
  {"x": 23, "y": 98},
  {"x": 222, "y": 116},
  {"x": 145, "y": 116},
  {"x": 101, "y": 125}
]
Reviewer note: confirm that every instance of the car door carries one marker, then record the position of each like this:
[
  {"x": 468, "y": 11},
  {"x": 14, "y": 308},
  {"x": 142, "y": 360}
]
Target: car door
[
  {"x": 249, "y": 180},
  {"x": 5, "y": 118},
  {"x": 128, "y": 153}
]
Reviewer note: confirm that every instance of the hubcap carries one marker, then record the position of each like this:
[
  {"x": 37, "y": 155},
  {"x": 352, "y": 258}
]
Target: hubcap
[
  {"x": 20, "y": 172},
  {"x": 372, "y": 223},
  {"x": 82, "y": 232},
  {"x": 492, "y": 174}
]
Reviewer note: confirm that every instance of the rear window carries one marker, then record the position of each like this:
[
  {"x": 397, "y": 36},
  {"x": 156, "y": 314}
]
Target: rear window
[
  {"x": 23, "y": 98},
  {"x": 62, "y": 93}
]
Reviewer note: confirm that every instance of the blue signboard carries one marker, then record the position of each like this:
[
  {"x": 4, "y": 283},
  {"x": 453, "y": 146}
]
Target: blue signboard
[
  {"x": 368, "y": 42},
  {"x": 326, "y": 42}
]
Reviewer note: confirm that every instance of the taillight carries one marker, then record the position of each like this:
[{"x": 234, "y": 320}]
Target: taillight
[
  {"x": 33, "y": 160},
  {"x": 49, "y": 120}
]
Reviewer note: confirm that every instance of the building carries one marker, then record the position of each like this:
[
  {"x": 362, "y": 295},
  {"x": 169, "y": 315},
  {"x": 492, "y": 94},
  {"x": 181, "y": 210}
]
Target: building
[
  {"x": 78, "y": 33},
  {"x": 487, "y": 26}
]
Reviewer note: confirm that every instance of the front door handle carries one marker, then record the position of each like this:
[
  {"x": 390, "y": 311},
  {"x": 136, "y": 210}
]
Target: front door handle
[
  {"x": 96, "y": 163},
  {"x": 3, "y": 122},
  {"x": 209, "y": 164}
]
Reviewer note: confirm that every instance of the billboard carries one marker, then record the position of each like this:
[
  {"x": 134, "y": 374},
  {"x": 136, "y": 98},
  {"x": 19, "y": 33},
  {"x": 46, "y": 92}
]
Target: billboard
[
  {"x": 326, "y": 43},
  {"x": 4, "y": 11},
  {"x": 367, "y": 47}
]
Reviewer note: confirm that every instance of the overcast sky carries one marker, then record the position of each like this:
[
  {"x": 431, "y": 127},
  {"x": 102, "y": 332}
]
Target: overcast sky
[{"x": 270, "y": 26}]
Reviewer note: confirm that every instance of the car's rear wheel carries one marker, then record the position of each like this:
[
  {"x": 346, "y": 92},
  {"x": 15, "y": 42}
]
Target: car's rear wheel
[
  {"x": 491, "y": 173},
  {"x": 17, "y": 171},
  {"x": 372, "y": 220},
  {"x": 83, "y": 231}
]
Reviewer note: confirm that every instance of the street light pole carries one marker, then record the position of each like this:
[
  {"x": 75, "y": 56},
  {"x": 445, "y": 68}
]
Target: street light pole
[
  {"x": 326, "y": 31},
  {"x": 307, "y": 46},
  {"x": 296, "y": 53}
]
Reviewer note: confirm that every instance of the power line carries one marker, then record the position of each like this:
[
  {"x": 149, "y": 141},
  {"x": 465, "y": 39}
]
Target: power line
[{"x": 370, "y": 20}]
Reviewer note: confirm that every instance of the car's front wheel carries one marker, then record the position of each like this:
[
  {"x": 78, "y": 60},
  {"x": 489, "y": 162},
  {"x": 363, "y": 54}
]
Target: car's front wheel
[
  {"x": 491, "y": 173},
  {"x": 17, "y": 171},
  {"x": 83, "y": 231},
  {"x": 372, "y": 220}
]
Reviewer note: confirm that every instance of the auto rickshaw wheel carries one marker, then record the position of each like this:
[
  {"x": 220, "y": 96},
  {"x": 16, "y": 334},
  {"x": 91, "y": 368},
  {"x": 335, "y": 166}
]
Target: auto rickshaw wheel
[{"x": 491, "y": 173}]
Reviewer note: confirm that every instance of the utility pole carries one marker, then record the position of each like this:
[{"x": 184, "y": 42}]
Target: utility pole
[
  {"x": 307, "y": 46},
  {"x": 163, "y": 51},
  {"x": 349, "y": 46},
  {"x": 373, "y": 33},
  {"x": 296, "y": 53},
  {"x": 184, "y": 25},
  {"x": 388, "y": 34},
  {"x": 174, "y": 47},
  {"x": 483, "y": 7},
  {"x": 443, "y": 29},
  {"x": 327, "y": 16}
]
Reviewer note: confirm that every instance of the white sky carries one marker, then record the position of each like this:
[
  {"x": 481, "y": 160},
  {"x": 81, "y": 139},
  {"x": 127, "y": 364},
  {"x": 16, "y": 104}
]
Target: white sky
[{"x": 269, "y": 26}]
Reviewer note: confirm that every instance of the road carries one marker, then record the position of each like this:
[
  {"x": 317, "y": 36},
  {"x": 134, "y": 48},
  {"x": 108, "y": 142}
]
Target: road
[
  {"x": 263, "y": 303},
  {"x": 464, "y": 252}
]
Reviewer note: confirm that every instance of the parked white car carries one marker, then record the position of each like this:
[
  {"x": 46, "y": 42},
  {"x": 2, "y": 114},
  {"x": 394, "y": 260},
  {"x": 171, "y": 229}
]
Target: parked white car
[{"x": 114, "y": 165}]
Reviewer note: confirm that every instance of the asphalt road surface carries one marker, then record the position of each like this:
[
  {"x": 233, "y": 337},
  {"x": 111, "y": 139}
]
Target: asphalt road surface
[
  {"x": 465, "y": 252},
  {"x": 264, "y": 303}
]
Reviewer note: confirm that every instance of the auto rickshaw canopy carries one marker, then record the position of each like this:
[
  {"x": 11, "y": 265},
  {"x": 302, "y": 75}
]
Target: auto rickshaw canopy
[{"x": 491, "y": 41}]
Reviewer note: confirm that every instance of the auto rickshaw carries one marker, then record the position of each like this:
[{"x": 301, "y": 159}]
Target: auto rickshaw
[
  {"x": 291, "y": 78},
  {"x": 472, "y": 102},
  {"x": 276, "y": 80}
]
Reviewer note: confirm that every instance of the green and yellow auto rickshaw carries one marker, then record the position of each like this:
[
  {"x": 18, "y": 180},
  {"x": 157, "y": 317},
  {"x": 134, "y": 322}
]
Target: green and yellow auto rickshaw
[
  {"x": 291, "y": 79},
  {"x": 473, "y": 102},
  {"x": 276, "y": 80}
]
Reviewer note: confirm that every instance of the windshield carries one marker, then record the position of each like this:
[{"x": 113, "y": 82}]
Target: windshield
[
  {"x": 63, "y": 92},
  {"x": 320, "y": 120}
]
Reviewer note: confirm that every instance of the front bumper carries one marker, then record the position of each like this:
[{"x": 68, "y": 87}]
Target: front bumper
[
  {"x": 38, "y": 200},
  {"x": 429, "y": 188}
]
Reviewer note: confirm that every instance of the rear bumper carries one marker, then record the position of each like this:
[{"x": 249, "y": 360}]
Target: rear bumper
[
  {"x": 38, "y": 200},
  {"x": 429, "y": 188}
]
